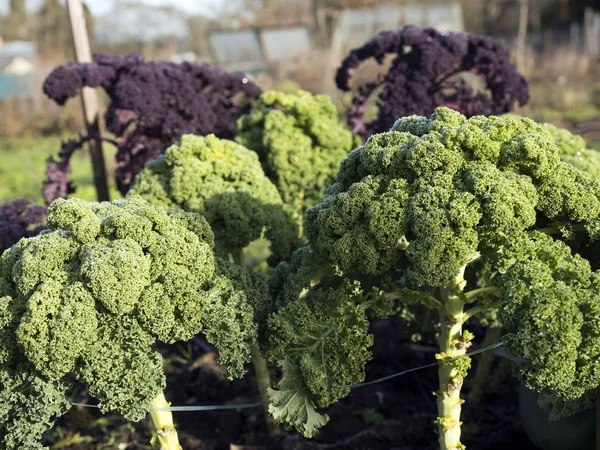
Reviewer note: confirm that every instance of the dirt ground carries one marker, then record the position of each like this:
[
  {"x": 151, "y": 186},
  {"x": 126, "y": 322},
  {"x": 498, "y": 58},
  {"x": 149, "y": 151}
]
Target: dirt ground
[{"x": 397, "y": 414}]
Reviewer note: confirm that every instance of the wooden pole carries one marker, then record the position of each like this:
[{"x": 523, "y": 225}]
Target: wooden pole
[
  {"x": 83, "y": 54},
  {"x": 522, "y": 39}
]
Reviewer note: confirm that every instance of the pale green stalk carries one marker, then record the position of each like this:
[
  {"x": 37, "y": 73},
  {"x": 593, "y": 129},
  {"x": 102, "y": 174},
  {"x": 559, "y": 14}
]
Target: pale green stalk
[
  {"x": 263, "y": 379},
  {"x": 453, "y": 364},
  {"x": 165, "y": 435}
]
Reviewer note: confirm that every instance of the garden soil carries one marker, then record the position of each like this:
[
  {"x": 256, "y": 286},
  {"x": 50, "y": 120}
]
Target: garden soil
[{"x": 397, "y": 414}]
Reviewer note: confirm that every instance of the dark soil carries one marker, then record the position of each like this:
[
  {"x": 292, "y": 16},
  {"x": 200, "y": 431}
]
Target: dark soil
[{"x": 397, "y": 414}]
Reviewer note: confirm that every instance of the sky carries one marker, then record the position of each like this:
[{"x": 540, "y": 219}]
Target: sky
[{"x": 100, "y": 7}]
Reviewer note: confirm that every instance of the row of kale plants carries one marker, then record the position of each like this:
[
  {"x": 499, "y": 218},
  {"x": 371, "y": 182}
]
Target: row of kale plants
[{"x": 442, "y": 201}]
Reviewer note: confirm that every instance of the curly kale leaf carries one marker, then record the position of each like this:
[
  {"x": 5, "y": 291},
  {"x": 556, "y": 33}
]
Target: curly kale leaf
[
  {"x": 224, "y": 182},
  {"x": 291, "y": 403},
  {"x": 430, "y": 69},
  {"x": 29, "y": 404},
  {"x": 255, "y": 287},
  {"x": 58, "y": 327},
  {"x": 152, "y": 104},
  {"x": 300, "y": 143},
  {"x": 121, "y": 369},
  {"x": 438, "y": 191},
  {"x": 324, "y": 341},
  {"x": 228, "y": 322},
  {"x": 572, "y": 149},
  {"x": 548, "y": 302}
]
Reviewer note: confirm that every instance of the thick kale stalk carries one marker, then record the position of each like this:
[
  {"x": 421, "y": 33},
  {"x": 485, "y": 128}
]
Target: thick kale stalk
[
  {"x": 428, "y": 71},
  {"x": 453, "y": 364},
  {"x": 165, "y": 437},
  {"x": 151, "y": 105},
  {"x": 263, "y": 380},
  {"x": 463, "y": 216}
]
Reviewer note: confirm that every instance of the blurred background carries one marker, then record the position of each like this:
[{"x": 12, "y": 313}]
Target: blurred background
[{"x": 282, "y": 44}]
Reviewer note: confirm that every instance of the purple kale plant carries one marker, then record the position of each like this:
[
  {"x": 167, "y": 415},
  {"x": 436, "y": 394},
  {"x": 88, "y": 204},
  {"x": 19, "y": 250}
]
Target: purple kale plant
[
  {"x": 19, "y": 219},
  {"x": 152, "y": 103},
  {"x": 426, "y": 73}
]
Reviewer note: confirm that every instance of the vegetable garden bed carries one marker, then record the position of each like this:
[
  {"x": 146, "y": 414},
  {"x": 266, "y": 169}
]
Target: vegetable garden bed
[{"x": 396, "y": 414}]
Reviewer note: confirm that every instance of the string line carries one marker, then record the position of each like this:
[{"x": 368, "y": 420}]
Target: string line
[{"x": 354, "y": 386}]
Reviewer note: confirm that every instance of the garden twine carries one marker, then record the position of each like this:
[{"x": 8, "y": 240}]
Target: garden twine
[{"x": 257, "y": 404}]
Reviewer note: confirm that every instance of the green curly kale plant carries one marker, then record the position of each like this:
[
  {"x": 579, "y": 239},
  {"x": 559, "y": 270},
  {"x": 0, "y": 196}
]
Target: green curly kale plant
[
  {"x": 225, "y": 183},
  {"x": 463, "y": 216},
  {"x": 86, "y": 301},
  {"x": 571, "y": 149},
  {"x": 300, "y": 142}
]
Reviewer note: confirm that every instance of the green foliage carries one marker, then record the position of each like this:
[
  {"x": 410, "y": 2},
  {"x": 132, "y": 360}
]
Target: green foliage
[
  {"x": 321, "y": 341},
  {"x": 559, "y": 408},
  {"x": 434, "y": 197},
  {"x": 568, "y": 144},
  {"x": 86, "y": 300},
  {"x": 29, "y": 404},
  {"x": 300, "y": 143},
  {"x": 573, "y": 149},
  {"x": 550, "y": 301},
  {"x": 121, "y": 369},
  {"x": 450, "y": 187},
  {"x": 300, "y": 273},
  {"x": 225, "y": 183},
  {"x": 255, "y": 288},
  {"x": 291, "y": 403}
]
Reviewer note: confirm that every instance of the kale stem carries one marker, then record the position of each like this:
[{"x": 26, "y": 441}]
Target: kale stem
[
  {"x": 399, "y": 295},
  {"x": 238, "y": 256},
  {"x": 263, "y": 379},
  {"x": 165, "y": 435},
  {"x": 473, "y": 311},
  {"x": 452, "y": 367},
  {"x": 320, "y": 273},
  {"x": 471, "y": 296},
  {"x": 556, "y": 230}
]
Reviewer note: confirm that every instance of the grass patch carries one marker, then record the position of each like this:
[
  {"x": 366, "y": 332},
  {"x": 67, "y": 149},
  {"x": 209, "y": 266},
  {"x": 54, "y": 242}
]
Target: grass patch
[{"x": 24, "y": 161}]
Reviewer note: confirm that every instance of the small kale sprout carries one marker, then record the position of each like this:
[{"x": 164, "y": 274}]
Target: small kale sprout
[
  {"x": 225, "y": 183},
  {"x": 464, "y": 216},
  {"x": 152, "y": 103},
  {"x": 300, "y": 143},
  {"x": 19, "y": 219},
  {"x": 86, "y": 301},
  {"x": 426, "y": 73}
]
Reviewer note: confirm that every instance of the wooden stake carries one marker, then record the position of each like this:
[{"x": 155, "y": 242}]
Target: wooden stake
[
  {"x": 83, "y": 54},
  {"x": 522, "y": 37}
]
